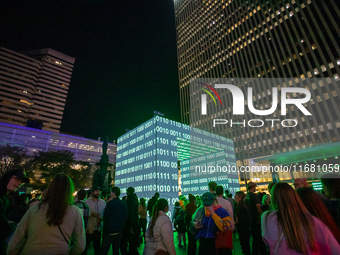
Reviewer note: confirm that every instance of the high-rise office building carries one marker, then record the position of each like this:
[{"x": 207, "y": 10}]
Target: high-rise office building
[
  {"x": 264, "y": 39},
  {"x": 34, "y": 87}
]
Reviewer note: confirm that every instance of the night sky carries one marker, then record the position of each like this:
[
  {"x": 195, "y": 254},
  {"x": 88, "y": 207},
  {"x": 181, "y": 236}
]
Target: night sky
[{"x": 126, "y": 59}]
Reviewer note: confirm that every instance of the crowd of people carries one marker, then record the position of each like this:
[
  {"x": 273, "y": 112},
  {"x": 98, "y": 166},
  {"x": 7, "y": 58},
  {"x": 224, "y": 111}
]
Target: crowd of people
[{"x": 285, "y": 220}]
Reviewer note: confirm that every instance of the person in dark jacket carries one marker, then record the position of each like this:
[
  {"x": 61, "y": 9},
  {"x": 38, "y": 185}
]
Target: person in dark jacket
[
  {"x": 181, "y": 228},
  {"x": 151, "y": 203},
  {"x": 114, "y": 218},
  {"x": 132, "y": 206},
  {"x": 243, "y": 221},
  {"x": 190, "y": 209},
  {"x": 18, "y": 209},
  {"x": 9, "y": 182}
]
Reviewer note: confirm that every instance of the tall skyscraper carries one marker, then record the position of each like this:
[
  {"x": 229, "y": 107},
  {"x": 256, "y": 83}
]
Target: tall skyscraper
[
  {"x": 264, "y": 39},
  {"x": 34, "y": 85}
]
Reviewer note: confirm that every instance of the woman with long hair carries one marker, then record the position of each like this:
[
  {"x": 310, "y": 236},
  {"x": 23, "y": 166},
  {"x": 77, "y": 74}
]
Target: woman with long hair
[
  {"x": 316, "y": 207},
  {"x": 291, "y": 229},
  {"x": 159, "y": 236},
  {"x": 243, "y": 221},
  {"x": 48, "y": 227}
]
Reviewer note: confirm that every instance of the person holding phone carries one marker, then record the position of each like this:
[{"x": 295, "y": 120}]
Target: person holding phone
[{"x": 208, "y": 220}]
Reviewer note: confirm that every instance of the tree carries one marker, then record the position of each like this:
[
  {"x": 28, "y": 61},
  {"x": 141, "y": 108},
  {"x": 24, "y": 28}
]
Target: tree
[
  {"x": 44, "y": 165},
  {"x": 12, "y": 157}
]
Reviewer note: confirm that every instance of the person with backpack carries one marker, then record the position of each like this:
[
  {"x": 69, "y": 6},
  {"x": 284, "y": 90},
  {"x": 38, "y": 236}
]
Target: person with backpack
[
  {"x": 190, "y": 209},
  {"x": 213, "y": 218}
]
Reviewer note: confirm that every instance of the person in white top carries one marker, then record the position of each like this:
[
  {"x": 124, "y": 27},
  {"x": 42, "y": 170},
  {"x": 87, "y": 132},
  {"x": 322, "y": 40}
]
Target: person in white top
[
  {"x": 159, "y": 235},
  {"x": 95, "y": 223},
  {"x": 224, "y": 202}
]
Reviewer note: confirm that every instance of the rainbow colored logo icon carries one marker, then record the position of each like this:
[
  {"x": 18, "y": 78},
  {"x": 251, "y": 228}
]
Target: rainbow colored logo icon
[{"x": 208, "y": 92}]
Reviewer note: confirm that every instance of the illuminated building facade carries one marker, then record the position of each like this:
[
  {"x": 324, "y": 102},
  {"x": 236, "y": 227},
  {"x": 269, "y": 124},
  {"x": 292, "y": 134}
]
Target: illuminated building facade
[
  {"x": 264, "y": 39},
  {"x": 34, "y": 85},
  {"x": 34, "y": 140}
]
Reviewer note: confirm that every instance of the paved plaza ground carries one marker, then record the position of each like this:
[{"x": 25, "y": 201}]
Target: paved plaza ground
[{"x": 182, "y": 251}]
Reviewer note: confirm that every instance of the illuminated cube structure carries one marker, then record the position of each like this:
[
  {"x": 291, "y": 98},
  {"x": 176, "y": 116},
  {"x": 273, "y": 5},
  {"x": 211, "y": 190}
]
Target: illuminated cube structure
[{"x": 149, "y": 158}]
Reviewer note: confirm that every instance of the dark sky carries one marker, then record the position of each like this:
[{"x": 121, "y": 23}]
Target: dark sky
[{"x": 126, "y": 59}]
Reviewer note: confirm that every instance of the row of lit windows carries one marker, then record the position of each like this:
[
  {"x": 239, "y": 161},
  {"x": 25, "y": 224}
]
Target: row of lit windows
[
  {"x": 234, "y": 51},
  {"x": 212, "y": 65},
  {"x": 299, "y": 133}
]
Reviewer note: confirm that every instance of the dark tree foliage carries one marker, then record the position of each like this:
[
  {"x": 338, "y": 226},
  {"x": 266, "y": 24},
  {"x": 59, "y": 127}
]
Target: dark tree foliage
[
  {"x": 42, "y": 166},
  {"x": 11, "y": 157},
  {"x": 46, "y": 164}
]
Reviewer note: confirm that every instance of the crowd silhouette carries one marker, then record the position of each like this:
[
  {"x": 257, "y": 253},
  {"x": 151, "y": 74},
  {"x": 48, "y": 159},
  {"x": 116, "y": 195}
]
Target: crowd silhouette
[{"x": 285, "y": 220}]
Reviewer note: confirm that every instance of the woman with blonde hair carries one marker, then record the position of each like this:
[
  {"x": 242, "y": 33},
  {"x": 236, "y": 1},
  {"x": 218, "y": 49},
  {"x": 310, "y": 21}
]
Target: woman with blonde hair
[
  {"x": 290, "y": 229},
  {"x": 159, "y": 235},
  {"x": 49, "y": 226}
]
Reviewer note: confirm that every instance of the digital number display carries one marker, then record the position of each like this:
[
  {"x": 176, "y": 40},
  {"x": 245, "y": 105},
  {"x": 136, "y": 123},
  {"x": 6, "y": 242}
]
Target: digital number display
[{"x": 148, "y": 157}]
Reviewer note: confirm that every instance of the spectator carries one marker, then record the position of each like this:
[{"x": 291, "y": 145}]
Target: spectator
[
  {"x": 270, "y": 186},
  {"x": 108, "y": 198},
  {"x": 175, "y": 213},
  {"x": 152, "y": 202},
  {"x": 18, "y": 209},
  {"x": 182, "y": 201},
  {"x": 261, "y": 195},
  {"x": 224, "y": 203},
  {"x": 291, "y": 229},
  {"x": 25, "y": 198},
  {"x": 181, "y": 228},
  {"x": 125, "y": 234},
  {"x": 190, "y": 209},
  {"x": 9, "y": 182},
  {"x": 214, "y": 218},
  {"x": 331, "y": 184},
  {"x": 243, "y": 221},
  {"x": 265, "y": 203},
  {"x": 159, "y": 235},
  {"x": 132, "y": 206},
  {"x": 229, "y": 197},
  {"x": 50, "y": 226},
  {"x": 142, "y": 216},
  {"x": 115, "y": 215},
  {"x": 212, "y": 187},
  {"x": 95, "y": 223},
  {"x": 315, "y": 206},
  {"x": 300, "y": 183},
  {"x": 198, "y": 201},
  {"x": 254, "y": 205},
  {"x": 84, "y": 208}
]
